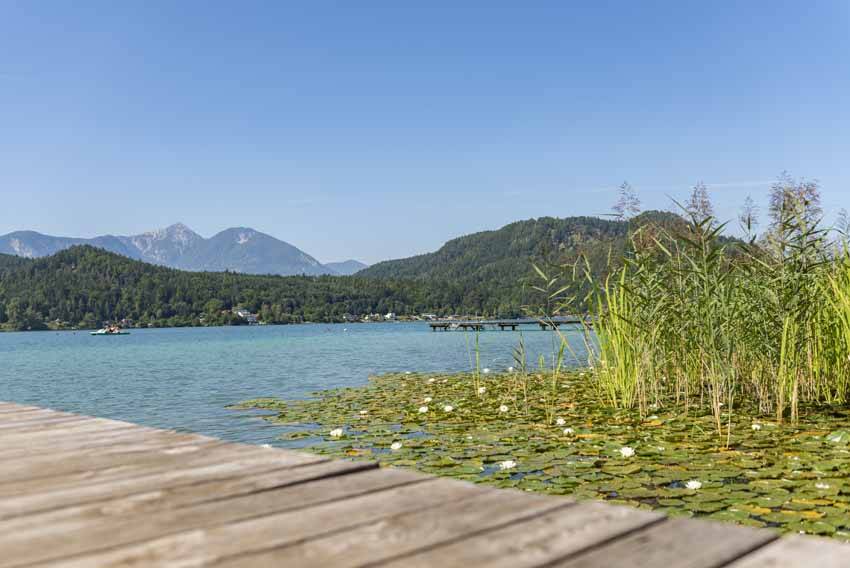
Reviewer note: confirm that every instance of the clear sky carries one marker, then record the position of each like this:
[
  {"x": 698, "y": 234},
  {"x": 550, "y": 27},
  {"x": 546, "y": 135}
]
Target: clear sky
[{"x": 380, "y": 129}]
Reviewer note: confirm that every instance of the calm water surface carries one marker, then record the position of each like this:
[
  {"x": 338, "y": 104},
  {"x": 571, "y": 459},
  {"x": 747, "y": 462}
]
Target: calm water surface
[{"x": 185, "y": 378}]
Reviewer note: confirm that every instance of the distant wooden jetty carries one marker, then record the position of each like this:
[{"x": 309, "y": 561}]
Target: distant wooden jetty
[
  {"x": 81, "y": 492},
  {"x": 505, "y": 324}
]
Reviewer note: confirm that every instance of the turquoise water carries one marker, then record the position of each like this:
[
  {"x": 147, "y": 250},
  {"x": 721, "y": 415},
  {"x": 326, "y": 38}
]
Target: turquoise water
[{"x": 185, "y": 378}]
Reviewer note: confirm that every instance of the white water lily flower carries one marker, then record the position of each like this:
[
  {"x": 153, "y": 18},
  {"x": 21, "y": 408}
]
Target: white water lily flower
[
  {"x": 693, "y": 484},
  {"x": 756, "y": 427},
  {"x": 821, "y": 486},
  {"x": 448, "y": 408},
  {"x": 428, "y": 399},
  {"x": 423, "y": 409},
  {"x": 627, "y": 452},
  {"x": 507, "y": 464},
  {"x": 395, "y": 446},
  {"x": 408, "y": 373},
  {"x": 431, "y": 380},
  {"x": 482, "y": 390},
  {"x": 503, "y": 408},
  {"x": 560, "y": 421},
  {"x": 336, "y": 433},
  {"x": 569, "y": 431},
  {"x": 364, "y": 412},
  {"x": 510, "y": 369}
]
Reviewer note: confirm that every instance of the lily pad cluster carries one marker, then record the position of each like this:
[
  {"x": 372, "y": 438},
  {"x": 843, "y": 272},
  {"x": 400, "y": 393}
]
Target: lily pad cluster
[{"x": 793, "y": 477}]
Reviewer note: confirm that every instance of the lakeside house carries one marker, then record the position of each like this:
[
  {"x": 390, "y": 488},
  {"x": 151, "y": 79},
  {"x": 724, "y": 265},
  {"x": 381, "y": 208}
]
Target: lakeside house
[{"x": 246, "y": 315}]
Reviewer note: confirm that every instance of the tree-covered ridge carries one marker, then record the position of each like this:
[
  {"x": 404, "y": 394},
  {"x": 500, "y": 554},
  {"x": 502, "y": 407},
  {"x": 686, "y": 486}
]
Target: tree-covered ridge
[
  {"x": 9, "y": 262},
  {"x": 481, "y": 274},
  {"x": 85, "y": 286}
]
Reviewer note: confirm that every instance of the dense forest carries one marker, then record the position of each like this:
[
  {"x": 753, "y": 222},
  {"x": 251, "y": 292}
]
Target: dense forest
[{"x": 481, "y": 274}]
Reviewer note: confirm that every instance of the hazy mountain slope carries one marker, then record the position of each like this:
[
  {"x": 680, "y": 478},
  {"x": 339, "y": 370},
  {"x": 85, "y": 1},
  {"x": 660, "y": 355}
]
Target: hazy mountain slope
[
  {"x": 346, "y": 267},
  {"x": 164, "y": 246},
  {"x": 241, "y": 250}
]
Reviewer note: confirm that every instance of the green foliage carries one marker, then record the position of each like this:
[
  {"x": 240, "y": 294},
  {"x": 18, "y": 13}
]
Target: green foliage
[
  {"x": 692, "y": 319},
  {"x": 795, "y": 478}
]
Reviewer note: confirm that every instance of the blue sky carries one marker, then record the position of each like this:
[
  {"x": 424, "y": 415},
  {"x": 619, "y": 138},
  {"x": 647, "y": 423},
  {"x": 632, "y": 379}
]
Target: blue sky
[{"x": 380, "y": 129}]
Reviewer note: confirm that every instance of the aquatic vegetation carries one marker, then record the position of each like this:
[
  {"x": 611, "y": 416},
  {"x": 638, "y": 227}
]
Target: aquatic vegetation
[
  {"x": 693, "y": 318},
  {"x": 792, "y": 476}
]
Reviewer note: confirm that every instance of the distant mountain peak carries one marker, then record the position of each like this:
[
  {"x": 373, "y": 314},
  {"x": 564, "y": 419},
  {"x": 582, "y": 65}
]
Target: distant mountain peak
[{"x": 240, "y": 249}]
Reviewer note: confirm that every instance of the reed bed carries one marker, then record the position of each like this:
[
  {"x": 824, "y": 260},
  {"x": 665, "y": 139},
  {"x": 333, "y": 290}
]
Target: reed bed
[{"x": 693, "y": 318}]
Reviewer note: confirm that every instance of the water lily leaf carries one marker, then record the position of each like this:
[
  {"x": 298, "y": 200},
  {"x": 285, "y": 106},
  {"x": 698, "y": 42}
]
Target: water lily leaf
[{"x": 839, "y": 437}]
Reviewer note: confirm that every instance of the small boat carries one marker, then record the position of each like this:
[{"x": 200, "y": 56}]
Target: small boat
[{"x": 109, "y": 332}]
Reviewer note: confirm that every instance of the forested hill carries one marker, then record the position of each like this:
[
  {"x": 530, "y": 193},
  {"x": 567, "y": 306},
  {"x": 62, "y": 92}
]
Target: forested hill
[
  {"x": 84, "y": 286},
  {"x": 507, "y": 254},
  {"x": 482, "y": 274}
]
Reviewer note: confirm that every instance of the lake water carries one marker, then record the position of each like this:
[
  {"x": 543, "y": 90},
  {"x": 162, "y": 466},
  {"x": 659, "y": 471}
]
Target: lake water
[{"x": 185, "y": 378}]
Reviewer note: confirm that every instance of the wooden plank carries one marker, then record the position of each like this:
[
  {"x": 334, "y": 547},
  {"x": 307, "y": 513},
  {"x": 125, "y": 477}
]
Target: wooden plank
[
  {"x": 536, "y": 542},
  {"x": 181, "y": 469},
  {"x": 16, "y": 413},
  {"x": 216, "y": 485},
  {"x": 796, "y": 551},
  {"x": 329, "y": 513},
  {"x": 12, "y": 407},
  {"x": 379, "y": 490},
  {"x": 39, "y": 472},
  {"x": 11, "y": 415},
  {"x": 402, "y": 534},
  {"x": 19, "y": 535},
  {"x": 90, "y": 428},
  {"x": 81, "y": 443},
  {"x": 684, "y": 543},
  {"x": 37, "y": 424}
]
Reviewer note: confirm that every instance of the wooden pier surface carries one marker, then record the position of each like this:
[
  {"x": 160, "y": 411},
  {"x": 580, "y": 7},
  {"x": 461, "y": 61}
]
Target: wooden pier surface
[{"x": 78, "y": 491}]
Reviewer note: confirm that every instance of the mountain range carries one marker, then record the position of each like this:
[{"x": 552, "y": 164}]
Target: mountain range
[{"x": 238, "y": 249}]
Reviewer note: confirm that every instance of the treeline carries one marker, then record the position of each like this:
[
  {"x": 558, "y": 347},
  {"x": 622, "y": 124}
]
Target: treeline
[
  {"x": 84, "y": 286},
  {"x": 485, "y": 274}
]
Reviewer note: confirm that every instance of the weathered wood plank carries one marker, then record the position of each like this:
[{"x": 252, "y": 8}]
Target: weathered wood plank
[
  {"x": 401, "y": 534},
  {"x": 38, "y": 424},
  {"x": 379, "y": 491},
  {"x": 171, "y": 493},
  {"x": 536, "y": 542},
  {"x": 11, "y": 407},
  {"x": 91, "y": 428},
  {"x": 82, "y": 442},
  {"x": 180, "y": 468},
  {"x": 796, "y": 551},
  {"x": 132, "y": 453},
  {"x": 18, "y": 536},
  {"x": 333, "y": 513},
  {"x": 684, "y": 543},
  {"x": 30, "y": 413}
]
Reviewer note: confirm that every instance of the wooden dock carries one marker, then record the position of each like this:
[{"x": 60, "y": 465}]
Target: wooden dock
[
  {"x": 505, "y": 324},
  {"x": 80, "y": 492}
]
